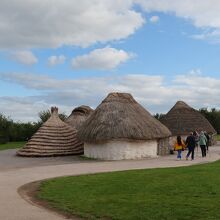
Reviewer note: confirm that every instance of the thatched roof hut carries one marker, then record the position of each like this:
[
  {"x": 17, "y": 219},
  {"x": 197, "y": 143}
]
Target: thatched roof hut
[
  {"x": 183, "y": 119},
  {"x": 120, "y": 128},
  {"x": 54, "y": 138},
  {"x": 78, "y": 116}
]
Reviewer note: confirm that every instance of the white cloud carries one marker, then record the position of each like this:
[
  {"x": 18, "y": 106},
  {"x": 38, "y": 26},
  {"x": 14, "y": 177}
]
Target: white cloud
[
  {"x": 21, "y": 108},
  {"x": 203, "y": 14},
  {"x": 153, "y": 92},
  {"x": 55, "y": 60},
  {"x": 24, "y": 57},
  {"x": 54, "y": 23},
  {"x": 101, "y": 59},
  {"x": 213, "y": 36},
  {"x": 27, "y": 108},
  {"x": 154, "y": 19}
]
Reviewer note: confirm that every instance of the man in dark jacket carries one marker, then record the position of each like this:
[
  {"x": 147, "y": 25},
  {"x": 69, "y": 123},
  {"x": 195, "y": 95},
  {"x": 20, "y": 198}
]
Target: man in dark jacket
[{"x": 190, "y": 144}]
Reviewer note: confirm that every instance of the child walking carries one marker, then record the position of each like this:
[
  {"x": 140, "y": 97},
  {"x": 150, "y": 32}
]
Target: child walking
[{"x": 179, "y": 147}]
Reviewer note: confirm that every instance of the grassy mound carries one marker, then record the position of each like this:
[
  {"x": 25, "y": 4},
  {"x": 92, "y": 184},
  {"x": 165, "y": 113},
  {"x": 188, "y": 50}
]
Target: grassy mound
[{"x": 183, "y": 193}]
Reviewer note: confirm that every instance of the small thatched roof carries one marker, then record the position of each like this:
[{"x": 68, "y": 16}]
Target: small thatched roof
[
  {"x": 183, "y": 119},
  {"x": 78, "y": 116},
  {"x": 120, "y": 117},
  {"x": 53, "y": 138}
]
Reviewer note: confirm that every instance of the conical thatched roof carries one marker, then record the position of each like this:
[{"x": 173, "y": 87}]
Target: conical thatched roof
[
  {"x": 183, "y": 119},
  {"x": 78, "y": 116},
  {"x": 53, "y": 138},
  {"x": 120, "y": 117}
]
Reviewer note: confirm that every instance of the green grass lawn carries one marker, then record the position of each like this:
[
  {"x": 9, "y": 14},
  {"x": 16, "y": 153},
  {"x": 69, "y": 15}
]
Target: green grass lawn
[
  {"x": 12, "y": 145},
  {"x": 218, "y": 137},
  {"x": 185, "y": 193}
]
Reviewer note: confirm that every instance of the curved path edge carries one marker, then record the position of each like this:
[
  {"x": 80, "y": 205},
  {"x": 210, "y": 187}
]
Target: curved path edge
[{"x": 29, "y": 193}]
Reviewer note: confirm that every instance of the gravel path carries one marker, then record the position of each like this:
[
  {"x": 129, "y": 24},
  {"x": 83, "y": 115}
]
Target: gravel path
[{"x": 15, "y": 174}]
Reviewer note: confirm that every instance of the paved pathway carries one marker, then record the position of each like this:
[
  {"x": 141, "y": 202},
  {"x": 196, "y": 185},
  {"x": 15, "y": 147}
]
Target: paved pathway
[
  {"x": 13, "y": 207},
  {"x": 9, "y": 160}
]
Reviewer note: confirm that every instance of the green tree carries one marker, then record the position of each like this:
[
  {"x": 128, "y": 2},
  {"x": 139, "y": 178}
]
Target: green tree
[
  {"x": 213, "y": 116},
  {"x": 158, "y": 116},
  {"x": 5, "y": 124},
  {"x": 22, "y": 131}
]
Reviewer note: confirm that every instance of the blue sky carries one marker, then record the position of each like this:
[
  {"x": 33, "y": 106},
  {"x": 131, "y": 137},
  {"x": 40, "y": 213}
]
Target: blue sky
[{"x": 68, "y": 54}]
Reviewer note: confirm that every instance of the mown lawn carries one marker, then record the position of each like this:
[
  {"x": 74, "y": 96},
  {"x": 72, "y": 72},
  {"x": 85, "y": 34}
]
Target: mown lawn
[
  {"x": 218, "y": 137},
  {"x": 12, "y": 145},
  {"x": 186, "y": 193}
]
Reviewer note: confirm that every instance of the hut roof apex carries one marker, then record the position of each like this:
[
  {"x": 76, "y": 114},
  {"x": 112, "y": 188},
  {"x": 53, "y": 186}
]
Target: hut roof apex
[
  {"x": 181, "y": 104},
  {"x": 83, "y": 109},
  {"x": 78, "y": 116},
  {"x": 119, "y": 97},
  {"x": 54, "y": 110}
]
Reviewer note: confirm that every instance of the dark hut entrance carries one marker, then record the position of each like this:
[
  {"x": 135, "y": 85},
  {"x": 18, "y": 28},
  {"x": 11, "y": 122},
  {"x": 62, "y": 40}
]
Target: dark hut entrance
[{"x": 163, "y": 147}]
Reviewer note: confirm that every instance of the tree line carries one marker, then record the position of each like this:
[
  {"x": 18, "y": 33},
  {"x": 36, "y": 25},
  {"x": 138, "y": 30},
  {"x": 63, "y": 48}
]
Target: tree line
[
  {"x": 213, "y": 117},
  {"x": 20, "y": 131}
]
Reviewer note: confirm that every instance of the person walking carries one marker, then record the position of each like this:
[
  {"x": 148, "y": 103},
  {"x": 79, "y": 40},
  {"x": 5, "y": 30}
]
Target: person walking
[
  {"x": 179, "y": 147},
  {"x": 203, "y": 143},
  {"x": 196, "y": 135},
  {"x": 190, "y": 144},
  {"x": 207, "y": 143}
]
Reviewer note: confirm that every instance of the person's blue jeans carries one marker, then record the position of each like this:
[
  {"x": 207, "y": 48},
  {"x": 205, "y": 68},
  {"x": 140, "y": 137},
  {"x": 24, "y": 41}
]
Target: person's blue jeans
[
  {"x": 190, "y": 151},
  {"x": 179, "y": 152}
]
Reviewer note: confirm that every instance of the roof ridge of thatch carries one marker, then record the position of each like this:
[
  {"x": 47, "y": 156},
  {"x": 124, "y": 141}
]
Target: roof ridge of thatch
[
  {"x": 54, "y": 119},
  {"x": 120, "y": 117},
  {"x": 82, "y": 109},
  {"x": 181, "y": 104},
  {"x": 120, "y": 97},
  {"x": 78, "y": 116}
]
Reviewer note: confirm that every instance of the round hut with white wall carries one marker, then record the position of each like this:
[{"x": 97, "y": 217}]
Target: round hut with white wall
[
  {"x": 78, "y": 116},
  {"x": 53, "y": 138},
  {"x": 183, "y": 119},
  {"x": 120, "y": 128}
]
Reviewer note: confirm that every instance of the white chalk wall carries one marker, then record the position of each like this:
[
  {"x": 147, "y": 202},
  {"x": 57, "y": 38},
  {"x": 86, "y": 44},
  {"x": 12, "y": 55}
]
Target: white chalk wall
[{"x": 119, "y": 150}]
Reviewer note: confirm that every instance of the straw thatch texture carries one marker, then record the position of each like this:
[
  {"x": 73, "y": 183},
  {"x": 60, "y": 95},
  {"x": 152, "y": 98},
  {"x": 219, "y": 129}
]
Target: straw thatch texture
[
  {"x": 78, "y": 116},
  {"x": 120, "y": 117},
  {"x": 182, "y": 119},
  {"x": 54, "y": 138}
]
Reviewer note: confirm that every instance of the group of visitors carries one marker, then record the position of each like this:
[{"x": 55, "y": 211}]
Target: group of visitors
[{"x": 192, "y": 141}]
